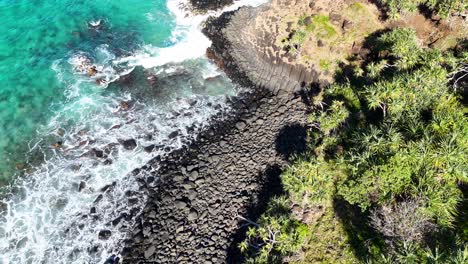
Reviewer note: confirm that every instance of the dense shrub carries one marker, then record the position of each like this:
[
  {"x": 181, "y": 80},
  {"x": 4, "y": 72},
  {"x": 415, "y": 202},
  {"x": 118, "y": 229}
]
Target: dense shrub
[
  {"x": 392, "y": 141},
  {"x": 418, "y": 147},
  {"x": 441, "y": 7},
  {"x": 275, "y": 235},
  {"x": 402, "y": 222}
]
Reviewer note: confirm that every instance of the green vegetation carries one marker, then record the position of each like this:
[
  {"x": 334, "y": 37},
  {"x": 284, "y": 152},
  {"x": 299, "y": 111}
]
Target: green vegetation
[
  {"x": 383, "y": 179},
  {"x": 441, "y": 7},
  {"x": 320, "y": 26},
  {"x": 275, "y": 235},
  {"x": 295, "y": 41},
  {"x": 323, "y": 39},
  {"x": 325, "y": 64}
]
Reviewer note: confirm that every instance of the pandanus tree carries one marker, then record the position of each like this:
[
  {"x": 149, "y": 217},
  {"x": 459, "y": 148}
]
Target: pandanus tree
[{"x": 392, "y": 142}]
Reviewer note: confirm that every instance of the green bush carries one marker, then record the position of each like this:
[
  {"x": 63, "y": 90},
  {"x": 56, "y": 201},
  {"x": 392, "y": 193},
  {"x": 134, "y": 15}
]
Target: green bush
[
  {"x": 418, "y": 148},
  {"x": 441, "y": 7},
  {"x": 394, "y": 133},
  {"x": 275, "y": 235}
]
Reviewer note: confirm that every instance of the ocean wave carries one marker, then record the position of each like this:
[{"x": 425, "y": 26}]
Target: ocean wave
[
  {"x": 77, "y": 205},
  {"x": 79, "y": 196},
  {"x": 188, "y": 27}
]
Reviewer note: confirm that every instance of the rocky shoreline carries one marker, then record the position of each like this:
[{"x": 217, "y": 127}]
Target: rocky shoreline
[
  {"x": 206, "y": 5},
  {"x": 194, "y": 214}
]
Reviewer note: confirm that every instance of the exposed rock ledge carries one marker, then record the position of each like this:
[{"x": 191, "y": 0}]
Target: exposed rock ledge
[
  {"x": 206, "y": 5},
  {"x": 252, "y": 34},
  {"x": 231, "y": 170}
]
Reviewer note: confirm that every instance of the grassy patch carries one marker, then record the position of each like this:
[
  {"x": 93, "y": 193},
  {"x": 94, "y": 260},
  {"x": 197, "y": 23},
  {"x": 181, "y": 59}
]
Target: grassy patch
[
  {"x": 357, "y": 8},
  {"x": 320, "y": 41},
  {"x": 321, "y": 27},
  {"x": 441, "y": 7},
  {"x": 328, "y": 242},
  {"x": 325, "y": 64},
  {"x": 384, "y": 168}
]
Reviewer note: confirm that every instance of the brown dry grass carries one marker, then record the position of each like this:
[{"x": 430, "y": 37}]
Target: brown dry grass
[{"x": 337, "y": 29}]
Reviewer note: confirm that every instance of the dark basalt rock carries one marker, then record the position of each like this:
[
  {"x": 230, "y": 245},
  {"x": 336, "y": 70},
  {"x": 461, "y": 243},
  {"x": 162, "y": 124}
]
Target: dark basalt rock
[
  {"x": 207, "y": 5},
  {"x": 192, "y": 216},
  {"x": 173, "y": 134},
  {"x": 104, "y": 234},
  {"x": 128, "y": 144},
  {"x": 231, "y": 170},
  {"x": 113, "y": 259},
  {"x": 149, "y": 148},
  {"x": 82, "y": 186},
  {"x": 98, "y": 153}
]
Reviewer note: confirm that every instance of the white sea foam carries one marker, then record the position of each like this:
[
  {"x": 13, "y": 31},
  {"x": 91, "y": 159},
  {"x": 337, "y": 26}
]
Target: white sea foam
[
  {"x": 49, "y": 219},
  {"x": 194, "y": 42},
  {"x": 58, "y": 210},
  {"x": 103, "y": 63}
]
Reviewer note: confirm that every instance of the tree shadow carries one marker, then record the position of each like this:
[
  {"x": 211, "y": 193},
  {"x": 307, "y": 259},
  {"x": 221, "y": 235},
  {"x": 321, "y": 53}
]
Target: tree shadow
[
  {"x": 363, "y": 239},
  {"x": 308, "y": 92},
  {"x": 383, "y": 8},
  {"x": 270, "y": 188},
  {"x": 291, "y": 141}
]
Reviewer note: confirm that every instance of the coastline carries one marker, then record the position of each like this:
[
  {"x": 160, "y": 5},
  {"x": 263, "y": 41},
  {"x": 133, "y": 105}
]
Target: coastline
[
  {"x": 206, "y": 5},
  {"x": 236, "y": 131},
  {"x": 232, "y": 169},
  {"x": 210, "y": 191}
]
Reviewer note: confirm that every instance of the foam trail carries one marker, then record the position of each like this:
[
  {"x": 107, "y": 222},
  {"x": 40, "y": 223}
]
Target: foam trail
[
  {"x": 78, "y": 202},
  {"x": 77, "y": 206},
  {"x": 194, "y": 42}
]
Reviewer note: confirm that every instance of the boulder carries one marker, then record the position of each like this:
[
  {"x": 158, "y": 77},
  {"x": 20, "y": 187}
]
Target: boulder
[
  {"x": 173, "y": 134},
  {"x": 150, "y": 251},
  {"x": 104, "y": 234},
  {"x": 128, "y": 144}
]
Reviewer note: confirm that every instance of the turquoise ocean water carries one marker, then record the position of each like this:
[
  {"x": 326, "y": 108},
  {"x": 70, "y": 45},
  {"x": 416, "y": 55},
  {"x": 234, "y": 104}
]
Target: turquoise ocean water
[
  {"x": 90, "y": 91},
  {"x": 35, "y": 33}
]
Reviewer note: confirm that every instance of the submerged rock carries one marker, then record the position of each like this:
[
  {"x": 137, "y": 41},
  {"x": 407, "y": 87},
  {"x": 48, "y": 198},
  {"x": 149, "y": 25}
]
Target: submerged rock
[
  {"x": 124, "y": 105},
  {"x": 57, "y": 144},
  {"x": 92, "y": 71},
  {"x": 128, "y": 144},
  {"x": 113, "y": 259},
  {"x": 98, "y": 153},
  {"x": 82, "y": 186},
  {"x": 104, "y": 234},
  {"x": 95, "y": 24}
]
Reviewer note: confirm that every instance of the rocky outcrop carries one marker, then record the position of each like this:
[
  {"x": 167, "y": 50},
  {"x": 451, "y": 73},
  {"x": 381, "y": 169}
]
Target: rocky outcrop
[
  {"x": 252, "y": 37},
  {"x": 196, "y": 194},
  {"x": 206, "y": 5},
  {"x": 232, "y": 168},
  {"x": 192, "y": 216}
]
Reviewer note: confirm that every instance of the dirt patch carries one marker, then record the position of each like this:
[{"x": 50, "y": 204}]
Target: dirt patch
[
  {"x": 324, "y": 35},
  {"x": 321, "y": 35},
  {"x": 441, "y": 34}
]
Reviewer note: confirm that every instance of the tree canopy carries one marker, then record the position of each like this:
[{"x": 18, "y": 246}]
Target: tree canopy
[{"x": 391, "y": 141}]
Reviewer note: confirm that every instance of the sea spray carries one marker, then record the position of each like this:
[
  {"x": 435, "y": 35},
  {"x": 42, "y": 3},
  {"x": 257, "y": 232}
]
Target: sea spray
[
  {"x": 193, "y": 44},
  {"x": 79, "y": 197},
  {"x": 78, "y": 204},
  {"x": 34, "y": 34}
]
